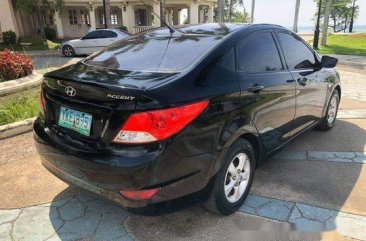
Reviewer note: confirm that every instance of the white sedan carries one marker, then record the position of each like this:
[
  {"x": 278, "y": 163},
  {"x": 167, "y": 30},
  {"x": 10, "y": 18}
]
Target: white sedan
[{"x": 92, "y": 42}]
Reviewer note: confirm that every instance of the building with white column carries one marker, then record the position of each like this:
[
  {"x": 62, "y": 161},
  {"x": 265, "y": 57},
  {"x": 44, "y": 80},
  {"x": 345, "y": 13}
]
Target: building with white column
[{"x": 78, "y": 15}]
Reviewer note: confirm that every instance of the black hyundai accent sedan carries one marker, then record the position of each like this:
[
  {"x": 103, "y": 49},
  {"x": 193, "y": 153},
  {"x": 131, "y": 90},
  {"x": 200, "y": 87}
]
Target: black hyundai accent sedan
[{"x": 161, "y": 115}]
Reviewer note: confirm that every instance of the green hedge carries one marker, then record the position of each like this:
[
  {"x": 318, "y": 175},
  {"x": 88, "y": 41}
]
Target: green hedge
[{"x": 9, "y": 37}]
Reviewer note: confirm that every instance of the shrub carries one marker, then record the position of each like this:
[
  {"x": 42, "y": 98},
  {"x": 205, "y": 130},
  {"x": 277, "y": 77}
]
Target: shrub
[
  {"x": 13, "y": 66},
  {"x": 50, "y": 33},
  {"x": 9, "y": 37},
  {"x": 34, "y": 39},
  {"x": 123, "y": 28}
]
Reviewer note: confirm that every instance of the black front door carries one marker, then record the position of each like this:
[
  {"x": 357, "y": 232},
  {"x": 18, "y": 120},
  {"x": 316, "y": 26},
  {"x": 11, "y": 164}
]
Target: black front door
[
  {"x": 311, "y": 85},
  {"x": 267, "y": 88}
]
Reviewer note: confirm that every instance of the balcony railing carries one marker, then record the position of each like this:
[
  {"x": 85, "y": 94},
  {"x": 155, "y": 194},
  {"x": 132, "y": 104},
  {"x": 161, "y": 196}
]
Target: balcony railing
[{"x": 138, "y": 29}]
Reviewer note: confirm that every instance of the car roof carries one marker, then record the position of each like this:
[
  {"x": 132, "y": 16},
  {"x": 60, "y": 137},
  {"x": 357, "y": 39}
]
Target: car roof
[{"x": 220, "y": 29}]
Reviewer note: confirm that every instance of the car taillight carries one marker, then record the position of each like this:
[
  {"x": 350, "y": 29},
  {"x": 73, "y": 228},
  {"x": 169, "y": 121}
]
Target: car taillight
[
  {"x": 158, "y": 125},
  {"x": 42, "y": 103},
  {"x": 139, "y": 195}
]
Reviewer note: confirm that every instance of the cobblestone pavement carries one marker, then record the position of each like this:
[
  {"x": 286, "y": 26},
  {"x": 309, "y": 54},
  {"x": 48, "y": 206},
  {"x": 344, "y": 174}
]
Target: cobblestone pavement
[
  {"x": 353, "y": 85},
  {"x": 83, "y": 217}
]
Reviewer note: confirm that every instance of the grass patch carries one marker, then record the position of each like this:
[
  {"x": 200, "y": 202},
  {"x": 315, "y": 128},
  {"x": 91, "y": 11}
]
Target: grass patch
[
  {"x": 19, "y": 106},
  {"x": 348, "y": 44},
  {"x": 51, "y": 45}
]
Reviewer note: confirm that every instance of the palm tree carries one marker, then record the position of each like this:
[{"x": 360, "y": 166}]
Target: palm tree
[
  {"x": 220, "y": 11},
  {"x": 252, "y": 13},
  {"x": 297, "y": 7},
  {"x": 232, "y": 2},
  {"x": 328, "y": 6}
]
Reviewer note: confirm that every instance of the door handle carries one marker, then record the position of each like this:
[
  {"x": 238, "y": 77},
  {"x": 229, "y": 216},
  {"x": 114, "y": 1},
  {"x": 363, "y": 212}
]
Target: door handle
[
  {"x": 255, "y": 88},
  {"x": 302, "y": 81}
]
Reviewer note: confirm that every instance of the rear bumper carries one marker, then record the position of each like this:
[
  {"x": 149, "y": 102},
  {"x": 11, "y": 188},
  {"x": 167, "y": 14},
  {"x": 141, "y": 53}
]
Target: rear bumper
[{"x": 104, "y": 172}]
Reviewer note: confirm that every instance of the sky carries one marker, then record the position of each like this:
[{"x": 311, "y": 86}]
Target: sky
[{"x": 282, "y": 12}]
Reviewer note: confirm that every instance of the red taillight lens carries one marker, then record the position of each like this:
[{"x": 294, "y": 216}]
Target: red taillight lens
[
  {"x": 42, "y": 103},
  {"x": 139, "y": 195},
  {"x": 157, "y": 125}
]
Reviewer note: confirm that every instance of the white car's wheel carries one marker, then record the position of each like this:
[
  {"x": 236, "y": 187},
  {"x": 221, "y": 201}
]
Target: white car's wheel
[{"x": 68, "y": 51}]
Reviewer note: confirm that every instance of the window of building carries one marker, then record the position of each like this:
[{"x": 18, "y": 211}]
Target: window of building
[
  {"x": 73, "y": 18},
  {"x": 85, "y": 20},
  {"x": 114, "y": 18},
  {"x": 141, "y": 17}
]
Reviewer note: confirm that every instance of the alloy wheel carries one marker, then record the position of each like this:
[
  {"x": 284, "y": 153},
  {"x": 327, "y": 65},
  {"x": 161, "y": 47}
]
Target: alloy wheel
[
  {"x": 237, "y": 177},
  {"x": 68, "y": 51},
  {"x": 332, "y": 110}
]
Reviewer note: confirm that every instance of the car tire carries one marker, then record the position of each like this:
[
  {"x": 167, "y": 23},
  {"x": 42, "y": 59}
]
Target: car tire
[
  {"x": 68, "y": 51},
  {"x": 328, "y": 121},
  {"x": 224, "y": 200}
]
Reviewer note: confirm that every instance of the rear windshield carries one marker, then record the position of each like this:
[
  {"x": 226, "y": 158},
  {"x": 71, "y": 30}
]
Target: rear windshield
[{"x": 158, "y": 54}]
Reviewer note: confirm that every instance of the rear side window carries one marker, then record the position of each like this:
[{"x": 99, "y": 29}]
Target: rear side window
[
  {"x": 108, "y": 34},
  {"x": 258, "y": 53},
  {"x": 297, "y": 54},
  {"x": 155, "y": 53}
]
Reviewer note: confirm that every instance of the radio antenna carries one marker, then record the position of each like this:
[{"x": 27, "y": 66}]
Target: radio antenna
[{"x": 171, "y": 30}]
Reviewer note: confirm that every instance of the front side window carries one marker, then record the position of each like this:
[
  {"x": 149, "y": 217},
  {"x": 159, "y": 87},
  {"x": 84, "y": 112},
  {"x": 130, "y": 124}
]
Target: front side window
[
  {"x": 297, "y": 54},
  {"x": 92, "y": 35},
  {"x": 258, "y": 53},
  {"x": 73, "y": 19}
]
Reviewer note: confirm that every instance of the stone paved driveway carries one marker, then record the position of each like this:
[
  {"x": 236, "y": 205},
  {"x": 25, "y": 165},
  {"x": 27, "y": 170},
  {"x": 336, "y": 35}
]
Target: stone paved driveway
[{"x": 315, "y": 186}]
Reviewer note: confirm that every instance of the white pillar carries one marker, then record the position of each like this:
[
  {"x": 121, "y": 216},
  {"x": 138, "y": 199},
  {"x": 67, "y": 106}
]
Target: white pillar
[
  {"x": 175, "y": 16},
  {"x": 193, "y": 13},
  {"x": 58, "y": 20},
  {"x": 210, "y": 14},
  {"x": 128, "y": 17},
  {"x": 93, "y": 21},
  {"x": 156, "y": 8},
  {"x": 201, "y": 14}
]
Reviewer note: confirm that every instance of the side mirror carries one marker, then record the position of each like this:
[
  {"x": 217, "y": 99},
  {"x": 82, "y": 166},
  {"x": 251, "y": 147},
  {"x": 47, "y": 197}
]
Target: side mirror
[{"x": 328, "y": 62}]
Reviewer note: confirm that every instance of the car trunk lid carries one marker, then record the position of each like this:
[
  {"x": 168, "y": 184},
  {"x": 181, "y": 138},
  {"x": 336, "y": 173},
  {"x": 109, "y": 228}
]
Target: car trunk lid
[{"x": 109, "y": 96}]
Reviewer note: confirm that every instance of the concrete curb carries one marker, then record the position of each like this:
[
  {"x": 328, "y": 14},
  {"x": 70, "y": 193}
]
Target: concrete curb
[
  {"x": 41, "y": 53},
  {"x": 26, "y": 82},
  {"x": 352, "y": 64},
  {"x": 16, "y": 128}
]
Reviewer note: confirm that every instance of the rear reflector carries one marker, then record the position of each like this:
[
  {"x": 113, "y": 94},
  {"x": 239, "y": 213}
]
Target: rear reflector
[
  {"x": 158, "y": 125},
  {"x": 42, "y": 103},
  {"x": 139, "y": 195}
]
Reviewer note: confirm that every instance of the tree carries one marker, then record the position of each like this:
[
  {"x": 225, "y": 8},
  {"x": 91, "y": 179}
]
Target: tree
[
  {"x": 252, "y": 13},
  {"x": 220, "y": 10},
  {"x": 340, "y": 14},
  {"x": 352, "y": 16},
  {"x": 162, "y": 12},
  {"x": 296, "y": 18},
  {"x": 231, "y": 8},
  {"x": 328, "y": 6},
  {"x": 30, "y": 7},
  {"x": 241, "y": 17}
]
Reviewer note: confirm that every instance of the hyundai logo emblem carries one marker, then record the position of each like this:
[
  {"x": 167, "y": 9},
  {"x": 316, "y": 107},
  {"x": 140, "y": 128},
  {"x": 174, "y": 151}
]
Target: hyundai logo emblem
[{"x": 70, "y": 91}]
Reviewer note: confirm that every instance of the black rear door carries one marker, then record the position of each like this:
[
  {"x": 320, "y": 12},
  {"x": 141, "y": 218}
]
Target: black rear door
[
  {"x": 267, "y": 88},
  {"x": 311, "y": 85}
]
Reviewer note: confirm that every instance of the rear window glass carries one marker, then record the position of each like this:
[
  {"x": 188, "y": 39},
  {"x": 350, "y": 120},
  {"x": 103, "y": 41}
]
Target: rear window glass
[{"x": 160, "y": 54}]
